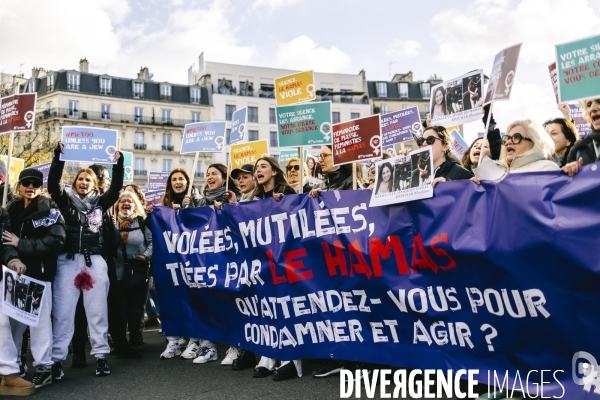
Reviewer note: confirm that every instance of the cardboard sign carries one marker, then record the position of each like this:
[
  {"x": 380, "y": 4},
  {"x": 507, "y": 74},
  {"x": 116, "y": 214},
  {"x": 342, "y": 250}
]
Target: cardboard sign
[
  {"x": 157, "y": 180},
  {"x": 578, "y": 69},
  {"x": 16, "y": 166},
  {"x": 403, "y": 178},
  {"x": 154, "y": 197},
  {"x": 17, "y": 112},
  {"x": 44, "y": 169},
  {"x": 554, "y": 79},
  {"x": 295, "y": 88},
  {"x": 458, "y": 100},
  {"x": 459, "y": 146},
  {"x": 238, "y": 126},
  {"x": 287, "y": 155},
  {"x": 22, "y": 297},
  {"x": 357, "y": 140},
  {"x": 400, "y": 126},
  {"x": 84, "y": 143},
  {"x": 583, "y": 127},
  {"x": 247, "y": 153},
  {"x": 203, "y": 137},
  {"x": 304, "y": 125},
  {"x": 503, "y": 74},
  {"x": 127, "y": 166}
]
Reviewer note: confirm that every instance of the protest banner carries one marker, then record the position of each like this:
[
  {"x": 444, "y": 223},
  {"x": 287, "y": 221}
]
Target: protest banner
[
  {"x": 154, "y": 197},
  {"x": 238, "y": 126},
  {"x": 400, "y": 126},
  {"x": 503, "y": 74},
  {"x": 583, "y": 127},
  {"x": 203, "y": 137},
  {"x": 578, "y": 69},
  {"x": 295, "y": 88},
  {"x": 247, "y": 153},
  {"x": 286, "y": 155},
  {"x": 127, "y": 166},
  {"x": 304, "y": 124},
  {"x": 17, "y": 112},
  {"x": 16, "y": 166},
  {"x": 157, "y": 180},
  {"x": 88, "y": 144},
  {"x": 357, "y": 140},
  {"x": 458, "y": 100},
  {"x": 459, "y": 146},
  {"x": 419, "y": 285},
  {"x": 554, "y": 79},
  {"x": 403, "y": 178},
  {"x": 22, "y": 297},
  {"x": 44, "y": 169}
]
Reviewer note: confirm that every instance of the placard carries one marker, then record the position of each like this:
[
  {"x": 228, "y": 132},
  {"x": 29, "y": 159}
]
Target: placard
[
  {"x": 17, "y": 112},
  {"x": 22, "y": 297},
  {"x": 357, "y": 140},
  {"x": 458, "y": 100},
  {"x": 503, "y": 74},
  {"x": 238, "y": 126},
  {"x": 157, "y": 180},
  {"x": 295, "y": 88},
  {"x": 554, "y": 79},
  {"x": 127, "y": 166},
  {"x": 459, "y": 146},
  {"x": 154, "y": 197},
  {"x": 44, "y": 169},
  {"x": 203, "y": 137},
  {"x": 304, "y": 125},
  {"x": 583, "y": 127},
  {"x": 84, "y": 143},
  {"x": 287, "y": 154},
  {"x": 400, "y": 126},
  {"x": 16, "y": 166},
  {"x": 247, "y": 153},
  {"x": 578, "y": 69}
]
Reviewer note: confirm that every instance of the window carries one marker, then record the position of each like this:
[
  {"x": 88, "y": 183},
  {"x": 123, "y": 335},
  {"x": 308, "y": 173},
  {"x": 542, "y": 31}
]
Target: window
[
  {"x": 345, "y": 98},
  {"x": 225, "y": 87},
  {"x": 404, "y": 106},
  {"x": 199, "y": 173},
  {"x": 195, "y": 95},
  {"x": 267, "y": 90},
  {"x": 274, "y": 139},
  {"x": 138, "y": 143},
  {"x": 381, "y": 89},
  {"x": 139, "y": 166},
  {"x": 227, "y": 136},
  {"x": 165, "y": 92},
  {"x": 246, "y": 89},
  {"x": 272, "y": 116},
  {"x": 252, "y": 136},
  {"x": 50, "y": 82},
  {"x": 252, "y": 114},
  {"x": 73, "y": 108},
  {"x": 166, "y": 165},
  {"x": 229, "y": 110},
  {"x": 195, "y": 116},
  {"x": 106, "y": 111},
  {"x": 48, "y": 106},
  {"x": 166, "y": 116},
  {"x": 335, "y": 117},
  {"x": 138, "y": 114},
  {"x": 138, "y": 89},
  {"x": 427, "y": 108},
  {"x": 403, "y": 89},
  {"x": 73, "y": 82},
  {"x": 326, "y": 94},
  {"x": 354, "y": 115},
  {"x": 166, "y": 142},
  {"x": 383, "y": 109},
  {"x": 426, "y": 90},
  {"x": 105, "y": 85}
]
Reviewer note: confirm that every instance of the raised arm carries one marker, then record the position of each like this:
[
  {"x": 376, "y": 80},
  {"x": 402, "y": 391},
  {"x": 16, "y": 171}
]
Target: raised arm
[
  {"x": 111, "y": 196},
  {"x": 57, "y": 193}
]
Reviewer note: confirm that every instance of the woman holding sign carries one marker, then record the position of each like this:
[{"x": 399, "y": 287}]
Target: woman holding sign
[{"x": 81, "y": 268}]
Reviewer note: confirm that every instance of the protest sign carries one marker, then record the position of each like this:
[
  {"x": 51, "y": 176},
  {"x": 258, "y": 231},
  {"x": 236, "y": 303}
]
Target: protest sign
[
  {"x": 22, "y": 297},
  {"x": 458, "y": 100},
  {"x": 127, "y": 166},
  {"x": 286, "y": 155},
  {"x": 554, "y": 79},
  {"x": 400, "y": 126},
  {"x": 247, "y": 153},
  {"x": 16, "y": 166},
  {"x": 44, "y": 169},
  {"x": 583, "y": 127},
  {"x": 238, "y": 126},
  {"x": 459, "y": 146},
  {"x": 157, "y": 180},
  {"x": 578, "y": 69},
  {"x": 203, "y": 137},
  {"x": 304, "y": 125},
  {"x": 403, "y": 178},
  {"x": 154, "y": 197},
  {"x": 503, "y": 74},
  {"x": 420, "y": 285},
  {"x": 84, "y": 143},
  {"x": 17, "y": 112},
  {"x": 295, "y": 88},
  {"x": 357, "y": 140}
]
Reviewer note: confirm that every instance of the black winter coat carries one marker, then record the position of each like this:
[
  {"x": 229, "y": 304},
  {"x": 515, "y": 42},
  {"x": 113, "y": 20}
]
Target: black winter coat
[
  {"x": 452, "y": 171},
  {"x": 584, "y": 148},
  {"x": 41, "y": 229},
  {"x": 7, "y": 252}
]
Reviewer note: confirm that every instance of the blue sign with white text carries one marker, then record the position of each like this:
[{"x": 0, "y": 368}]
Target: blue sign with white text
[
  {"x": 203, "y": 137},
  {"x": 238, "y": 126},
  {"x": 84, "y": 143}
]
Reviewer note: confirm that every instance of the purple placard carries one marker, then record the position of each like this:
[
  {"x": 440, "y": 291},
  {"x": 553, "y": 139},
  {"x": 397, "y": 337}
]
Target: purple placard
[
  {"x": 400, "y": 126},
  {"x": 154, "y": 197},
  {"x": 44, "y": 169},
  {"x": 157, "y": 180},
  {"x": 583, "y": 127}
]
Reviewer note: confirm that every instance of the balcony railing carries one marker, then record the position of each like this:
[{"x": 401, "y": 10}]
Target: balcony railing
[
  {"x": 72, "y": 87},
  {"x": 139, "y": 172},
  {"x": 165, "y": 97},
  {"x": 107, "y": 92},
  {"x": 139, "y": 146},
  {"x": 199, "y": 175},
  {"x": 167, "y": 147},
  {"x": 138, "y": 95},
  {"x": 122, "y": 118}
]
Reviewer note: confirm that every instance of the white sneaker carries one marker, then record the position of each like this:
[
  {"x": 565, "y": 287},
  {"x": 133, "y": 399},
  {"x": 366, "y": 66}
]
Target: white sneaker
[
  {"x": 171, "y": 351},
  {"x": 232, "y": 354},
  {"x": 182, "y": 342},
  {"x": 207, "y": 354},
  {"x": 191, "y": 351}
]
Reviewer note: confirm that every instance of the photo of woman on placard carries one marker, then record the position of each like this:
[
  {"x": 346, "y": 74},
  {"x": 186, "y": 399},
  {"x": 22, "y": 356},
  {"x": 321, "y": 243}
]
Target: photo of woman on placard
[
  {"x": 438, "y": 102},
  {"x": 9, "y": 288},
  {"x": 385, "y": 178},
  {"x": 421, "y": 171}
]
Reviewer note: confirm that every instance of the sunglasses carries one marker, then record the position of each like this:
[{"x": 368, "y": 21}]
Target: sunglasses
[
  {"x": 516, "y": 139},
  {"x": 36, "y": 184},
  {"x": 430, "y": 140},
  {"x": 293, "y": 167}
]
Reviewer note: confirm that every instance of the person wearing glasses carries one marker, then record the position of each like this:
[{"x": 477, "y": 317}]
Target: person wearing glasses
[
  {"x": 39, "y": 236},
  {"x": 336, "y": 177},
  {"x": 293, "y": 176},
  {"x": 446, "y": 166}
]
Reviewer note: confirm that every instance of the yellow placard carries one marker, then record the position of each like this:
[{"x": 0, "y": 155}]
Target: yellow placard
[
  {"x": 247, "y": 153},
  {"x": 16, "y": 166},
  {"x": 295, "y": 88}
]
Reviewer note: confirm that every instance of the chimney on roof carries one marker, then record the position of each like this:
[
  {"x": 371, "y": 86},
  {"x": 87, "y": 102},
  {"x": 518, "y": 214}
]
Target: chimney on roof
[
  {"x": 84, "y": 65},
  {"x": 144, "y": 73},
  {"x": 35, "y": 72}
]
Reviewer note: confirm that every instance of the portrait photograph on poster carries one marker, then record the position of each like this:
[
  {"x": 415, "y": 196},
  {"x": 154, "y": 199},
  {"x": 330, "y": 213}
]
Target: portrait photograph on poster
[{"x": 458, "y": 100}]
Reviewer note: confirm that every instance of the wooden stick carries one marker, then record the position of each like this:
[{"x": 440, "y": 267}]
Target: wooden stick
[
  {"x": 189, "y": 193},
  {"x": 7, "y": 177},
  {"x": 487, "y": 127},
  {"x": 354, "y": 176},
  {"x": 301, "y": 157}
]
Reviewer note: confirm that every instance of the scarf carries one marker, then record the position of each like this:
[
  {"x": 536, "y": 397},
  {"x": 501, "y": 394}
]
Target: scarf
[
  {"x": 215, "y": 195},
  {"x": 125, "y": 226},
  {"x": 85, "y": 203},
  {"x": 296, "y": 186}
]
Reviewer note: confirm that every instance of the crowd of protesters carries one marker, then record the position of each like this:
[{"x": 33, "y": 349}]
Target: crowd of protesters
[{"x": 94, "y": 247}]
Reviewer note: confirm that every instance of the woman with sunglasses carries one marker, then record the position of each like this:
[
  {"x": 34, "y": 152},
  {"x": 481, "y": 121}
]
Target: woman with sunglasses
[
  {"x": 293, "y": 175},
  {"x": 39, "y": 236},
  {"x": 336, "y": 177},
  {"x": 445, "y": 165}
]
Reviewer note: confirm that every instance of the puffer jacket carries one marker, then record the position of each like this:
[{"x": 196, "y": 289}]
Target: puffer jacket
[
  {"x": 337, "y": 180},
  {"x": 584, "y": 149},
  {"x": 7, "y": 253},
  {"x": 41, "y": 229},
  {"x": 452, "y": 171}
]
